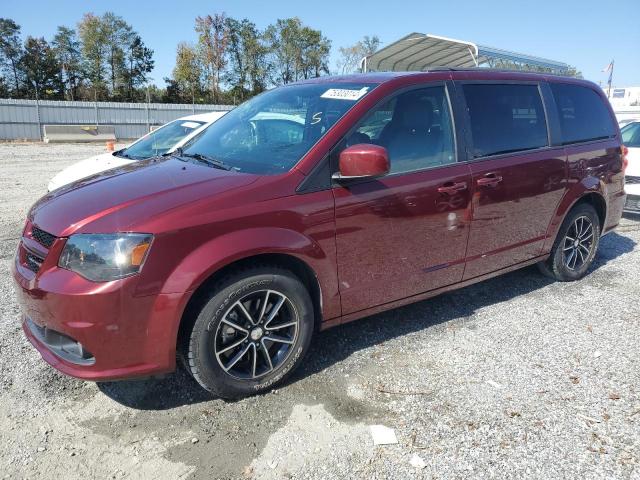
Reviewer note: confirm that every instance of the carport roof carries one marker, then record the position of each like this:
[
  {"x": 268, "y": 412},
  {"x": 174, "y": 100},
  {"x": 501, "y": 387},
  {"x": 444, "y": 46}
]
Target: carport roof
[{"x": 419, "y": 51}]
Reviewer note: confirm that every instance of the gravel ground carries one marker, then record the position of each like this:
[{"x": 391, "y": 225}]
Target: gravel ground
[{"x": 516, "y": 377}]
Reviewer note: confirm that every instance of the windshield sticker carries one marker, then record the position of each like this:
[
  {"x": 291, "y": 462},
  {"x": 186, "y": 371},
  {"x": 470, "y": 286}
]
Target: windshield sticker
[
  {"x": 190, "y": 124},
  {"x": 345, "y": 94},
  {"x": 316, "y": 118}
]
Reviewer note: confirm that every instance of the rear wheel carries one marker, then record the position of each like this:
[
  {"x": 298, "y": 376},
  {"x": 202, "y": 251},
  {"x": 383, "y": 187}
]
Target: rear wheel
[
  {"x": 252, "y": 332},
  {"x": 575, "y": 247}
]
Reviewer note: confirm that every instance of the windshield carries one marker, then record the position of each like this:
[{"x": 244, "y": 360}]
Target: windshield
[
  {"x": 270, "y": 133},
  {"x": 161, "y": 140},
  {"x": 631, "y": 134}
]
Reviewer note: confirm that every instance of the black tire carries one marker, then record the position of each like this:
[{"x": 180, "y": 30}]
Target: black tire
[
  {"x": 208, "y": 347},
  {"x": 559, "y": 265}
]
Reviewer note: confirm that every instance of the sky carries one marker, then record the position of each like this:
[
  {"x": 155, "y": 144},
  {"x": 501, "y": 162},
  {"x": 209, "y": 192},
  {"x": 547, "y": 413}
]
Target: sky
[{"x": 585, "y": 33}]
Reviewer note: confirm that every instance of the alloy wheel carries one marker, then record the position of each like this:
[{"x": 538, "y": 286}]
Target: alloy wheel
[
  {"x": 578, "y": 243},
  {"x": 256, "y": 334}
]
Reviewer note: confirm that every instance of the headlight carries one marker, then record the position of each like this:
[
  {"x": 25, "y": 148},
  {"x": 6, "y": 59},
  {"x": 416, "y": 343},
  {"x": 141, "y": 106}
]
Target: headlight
[{"x": 105, "y": 257}]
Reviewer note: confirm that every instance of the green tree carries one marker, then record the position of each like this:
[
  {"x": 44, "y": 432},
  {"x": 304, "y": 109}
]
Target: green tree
[
  {"x": 10, "y": 51},
  {"x": 4, "y": 89},
  {"x": 282, "y": 41},
  {"x": 118, "y": 35},
  {"x": 94, "y": 52},
  {"x": 140, "y": 63},
  {"x": 66, "y": 48},
  {"x": 248, "y": 65},
  {"x": 313, "y": 53},
  {"x": 187, "y": 74},
  {"x": 172, "y": 93},
  {"x": 296, "y": 51},
  {"x": 41, "y": 70},
  {"x": 115, "y": 58},
  {"x": 212, "y": 46}
]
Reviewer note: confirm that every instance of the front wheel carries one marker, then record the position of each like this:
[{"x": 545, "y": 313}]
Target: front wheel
[
  {"x": 252, "y": 333},
  {"x": 575, "y": 247}
]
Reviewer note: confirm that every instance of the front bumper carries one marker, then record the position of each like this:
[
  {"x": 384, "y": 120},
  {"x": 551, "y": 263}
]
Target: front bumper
[{"x": 119, "y": 334}]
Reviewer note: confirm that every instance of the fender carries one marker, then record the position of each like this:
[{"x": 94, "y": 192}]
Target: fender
[
  {"x": 573, "y": 195},
  {"x": 228, "y": 248}
]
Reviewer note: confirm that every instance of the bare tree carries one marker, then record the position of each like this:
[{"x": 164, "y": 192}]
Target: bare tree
[{"x": 351, "y": 56}]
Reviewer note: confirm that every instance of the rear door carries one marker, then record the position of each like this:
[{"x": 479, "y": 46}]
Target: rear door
[{"x": 517, "y": 177}]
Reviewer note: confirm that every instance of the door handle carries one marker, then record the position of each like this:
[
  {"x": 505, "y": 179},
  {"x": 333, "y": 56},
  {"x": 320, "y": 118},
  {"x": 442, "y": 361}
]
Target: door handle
[
  {"x": 489, "y": 180},
  {"x": 451, "y": 187}
]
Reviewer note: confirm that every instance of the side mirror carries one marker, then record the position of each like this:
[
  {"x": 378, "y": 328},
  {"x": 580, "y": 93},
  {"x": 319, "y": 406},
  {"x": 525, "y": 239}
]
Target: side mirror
[{"x": 363, "y": 160}]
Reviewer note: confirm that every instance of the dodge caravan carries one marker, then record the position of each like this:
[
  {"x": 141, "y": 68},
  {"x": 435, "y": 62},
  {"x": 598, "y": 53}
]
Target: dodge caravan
[{"x": 312, "y": 205}]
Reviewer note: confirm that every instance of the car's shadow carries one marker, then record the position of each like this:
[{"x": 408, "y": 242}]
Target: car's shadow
[{"x": 339, "y": 343}]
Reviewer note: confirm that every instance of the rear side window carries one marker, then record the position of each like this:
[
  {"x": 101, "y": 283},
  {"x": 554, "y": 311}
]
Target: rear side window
[
  {"x": 505, "y": 118},
  {"x": 583, "y": 114}
]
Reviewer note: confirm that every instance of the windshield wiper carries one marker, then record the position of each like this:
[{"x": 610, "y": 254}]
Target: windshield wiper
[
  {"x": 200, "y": 157},
  {"x": 121, "y": 153}
]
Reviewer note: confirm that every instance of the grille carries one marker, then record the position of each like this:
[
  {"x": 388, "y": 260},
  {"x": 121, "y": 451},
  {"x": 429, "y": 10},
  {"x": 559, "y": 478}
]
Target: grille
[
  {"x": 631, "y": 180},
  {"x": 32, "y": 262},
  {"x": 42, "y": 237}
]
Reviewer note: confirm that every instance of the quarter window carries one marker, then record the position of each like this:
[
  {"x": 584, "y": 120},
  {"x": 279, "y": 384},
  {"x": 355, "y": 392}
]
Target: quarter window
[
  {"x": 505, "y": 118},
  {"x": 415, "y": 127},
  {"x": 583, "y": 114}
]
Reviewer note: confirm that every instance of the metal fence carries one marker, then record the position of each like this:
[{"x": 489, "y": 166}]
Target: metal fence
[{"x": 23, "y": 119}]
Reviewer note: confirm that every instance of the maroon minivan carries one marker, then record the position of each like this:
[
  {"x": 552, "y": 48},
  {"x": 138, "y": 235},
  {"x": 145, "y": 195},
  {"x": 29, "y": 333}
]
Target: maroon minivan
[{"x": 312, "y": 205}]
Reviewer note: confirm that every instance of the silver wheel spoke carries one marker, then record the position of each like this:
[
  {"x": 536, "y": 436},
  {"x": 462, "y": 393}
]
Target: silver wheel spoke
[
  {"x": 234, "y": 325},
  {"x": 581, "y": 256},
  {"x": 232, "y": 346},
  {"x": 265, "y": 354},
  {"x": 569, "y": 239},
  {"x": 570, "y": 257},
  {"x": 575, "y": 258},
  {"x": 284, "y": 325},
  {"x": 238, "y": 356},
  {"x": 279, "y": 339},
  {"x": 274, "y": 311},
  {"x": 586, "y": 231},
  {"x": 264, "y": 306},
  {"x": 255, "y": 360},
  {"x": 244, "y": 311},
  {"x": 584, "y": 239},
  {"x": 586, "y": 250}
]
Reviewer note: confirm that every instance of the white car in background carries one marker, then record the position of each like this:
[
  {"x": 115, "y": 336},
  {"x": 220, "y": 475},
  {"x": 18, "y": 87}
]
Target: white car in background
[
  {"x": 165, "y": 139},
  {"x": 631, "y": 139}
]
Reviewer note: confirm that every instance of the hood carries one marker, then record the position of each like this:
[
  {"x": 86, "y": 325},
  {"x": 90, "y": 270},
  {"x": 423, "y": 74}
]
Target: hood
[
  {"x": 85, "y": 168},
  {"x": 116, "y": 200}
]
